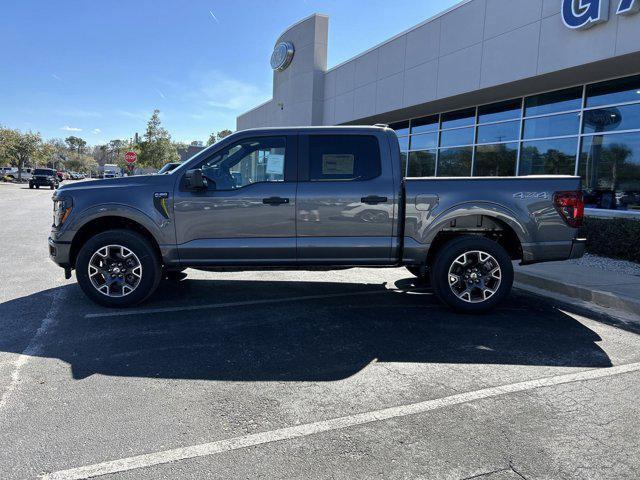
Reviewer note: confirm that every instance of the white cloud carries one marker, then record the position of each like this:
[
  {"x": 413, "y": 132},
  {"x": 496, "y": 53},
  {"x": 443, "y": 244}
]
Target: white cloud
[
  {"x": 221, "y": 91},
  {"x": 56, "y": 77},
  {"x": 67, "y": 128},
  {"x": 96, "y": 131}
]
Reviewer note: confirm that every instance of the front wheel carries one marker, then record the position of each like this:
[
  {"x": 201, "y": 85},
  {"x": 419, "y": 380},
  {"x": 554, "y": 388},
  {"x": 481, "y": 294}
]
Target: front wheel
[
  {"x": 472, "y": 274},
  {"x": 31, "y": 186},
  {"x": 118, "y": 268}
]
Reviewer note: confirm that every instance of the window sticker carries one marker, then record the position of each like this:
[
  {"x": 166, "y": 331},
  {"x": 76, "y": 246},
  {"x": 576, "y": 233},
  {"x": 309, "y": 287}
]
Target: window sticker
[
  {"x": 275, "y": 163},
  {"x": 337, "y": 164}
]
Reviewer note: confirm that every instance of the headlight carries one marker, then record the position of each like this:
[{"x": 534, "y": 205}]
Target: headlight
[{"x": 61, "y": 209}]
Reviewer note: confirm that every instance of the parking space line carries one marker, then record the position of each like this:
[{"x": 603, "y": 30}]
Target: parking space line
[
  {"x": 34, "y": 346},
  {"x": 298, "y": 431},
  {"x": 188, "y": 308}
]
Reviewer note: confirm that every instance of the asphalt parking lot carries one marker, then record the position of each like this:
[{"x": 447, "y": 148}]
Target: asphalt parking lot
[{"x": 352, "y": 374}]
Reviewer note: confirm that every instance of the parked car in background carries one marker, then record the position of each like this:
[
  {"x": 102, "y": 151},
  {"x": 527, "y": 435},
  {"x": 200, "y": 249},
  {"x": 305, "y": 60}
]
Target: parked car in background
[
  {"x": 319, "y": 197},
  {"x": 12, "y": 172},
  {"x": 44, "y": 177}
]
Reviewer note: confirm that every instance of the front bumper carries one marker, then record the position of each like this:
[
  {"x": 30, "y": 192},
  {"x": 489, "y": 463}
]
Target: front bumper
[
  {"x": 578, "y": 247},
  {"x": 60, "y": 253}
]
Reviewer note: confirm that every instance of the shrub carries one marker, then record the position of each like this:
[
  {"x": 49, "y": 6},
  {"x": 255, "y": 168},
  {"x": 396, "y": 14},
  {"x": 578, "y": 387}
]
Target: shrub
[{"x": 615, "y": 238}]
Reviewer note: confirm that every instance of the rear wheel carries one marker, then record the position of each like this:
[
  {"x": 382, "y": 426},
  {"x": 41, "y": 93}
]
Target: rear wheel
[
  {"x": 472, "y": 274},
  {"x": 118, "y": 268}
]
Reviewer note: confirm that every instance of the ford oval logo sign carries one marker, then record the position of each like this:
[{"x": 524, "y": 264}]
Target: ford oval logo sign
[
  {"x": 583, "y": 14},
  {"x": 282, "y": 56}
]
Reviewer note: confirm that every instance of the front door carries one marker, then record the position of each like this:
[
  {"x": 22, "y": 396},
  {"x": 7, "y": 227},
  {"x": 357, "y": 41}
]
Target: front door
[
  {"x": 246, "y": 215},
  {"x": 346, "y": 204}
]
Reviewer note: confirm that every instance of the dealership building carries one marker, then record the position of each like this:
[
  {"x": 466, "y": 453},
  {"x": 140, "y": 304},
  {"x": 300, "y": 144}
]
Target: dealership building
[{"x": 486, "y": 88}]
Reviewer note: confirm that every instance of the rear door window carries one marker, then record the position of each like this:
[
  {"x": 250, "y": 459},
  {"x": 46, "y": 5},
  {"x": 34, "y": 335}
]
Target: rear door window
[{"x": 342, "y": 157}]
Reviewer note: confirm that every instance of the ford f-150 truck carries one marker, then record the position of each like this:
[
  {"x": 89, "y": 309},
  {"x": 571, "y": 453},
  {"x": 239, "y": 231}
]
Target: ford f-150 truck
[{"x": 321, "y": 197}]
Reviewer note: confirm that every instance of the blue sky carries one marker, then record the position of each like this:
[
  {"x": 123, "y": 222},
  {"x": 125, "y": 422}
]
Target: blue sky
[{"x": 96, "y": 69}]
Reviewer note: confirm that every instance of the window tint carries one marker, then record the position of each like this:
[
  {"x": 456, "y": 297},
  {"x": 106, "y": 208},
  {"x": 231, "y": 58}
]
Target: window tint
[
  {"x": 552, "y": 102},
  {"x": 459, "y": 118},
  {"x": 455, "y": 162},
  {"x": 422, "y": 164},
  {"x": 499, "y": 132},
  {"x": 612, "y": 119},
  {"x": 44, "y": 171},
  {"x": 425, "y": 124},
  {"x": 343, "y": 157},
  {"x": 615, "y": 91},
  {"x": 497, "y": 112},
  {"x": 247, "y": 162},
  {"x": 460, "y": 136},
  {"x": 554, "y": 126},
  {"x": 610, "y": 170},
  {"x": 552, "y": 157},
  {"x": 424, "y": 141},
  {"x": 496, "y": 160}
]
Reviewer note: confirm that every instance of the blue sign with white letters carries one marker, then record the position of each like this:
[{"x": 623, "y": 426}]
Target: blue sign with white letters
[{"x": 583, "y": 14}]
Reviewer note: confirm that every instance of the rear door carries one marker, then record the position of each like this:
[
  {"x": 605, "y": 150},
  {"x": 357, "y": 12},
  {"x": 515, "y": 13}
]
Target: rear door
[{"x": 346, "y": 202}]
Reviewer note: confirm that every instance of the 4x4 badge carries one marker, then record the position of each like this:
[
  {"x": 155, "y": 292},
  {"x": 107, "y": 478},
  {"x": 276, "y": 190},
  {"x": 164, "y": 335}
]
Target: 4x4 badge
[{"x": 523, "y": 195}]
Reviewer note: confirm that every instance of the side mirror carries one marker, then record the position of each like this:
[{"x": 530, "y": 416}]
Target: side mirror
[{"x": 194, "y": 180}]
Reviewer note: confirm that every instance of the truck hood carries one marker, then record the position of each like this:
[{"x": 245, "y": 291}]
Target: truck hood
[{"x": 116, "y": 183}]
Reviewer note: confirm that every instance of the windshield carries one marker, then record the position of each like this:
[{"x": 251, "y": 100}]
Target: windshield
[{"x": 43, "y": 171}]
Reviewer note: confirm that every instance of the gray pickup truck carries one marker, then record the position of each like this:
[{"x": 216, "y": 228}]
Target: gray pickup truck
[{"x": 325, "y": 197}]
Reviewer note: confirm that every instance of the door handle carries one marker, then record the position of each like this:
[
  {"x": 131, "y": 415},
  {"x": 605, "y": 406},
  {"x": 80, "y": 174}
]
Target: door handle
[
  {"x": 373, "y": 200},
  {"x": 275, "y": 201}
]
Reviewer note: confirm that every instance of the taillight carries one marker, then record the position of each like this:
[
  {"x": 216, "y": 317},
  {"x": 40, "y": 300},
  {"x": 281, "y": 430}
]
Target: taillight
[{"x": 570, "y": 205}]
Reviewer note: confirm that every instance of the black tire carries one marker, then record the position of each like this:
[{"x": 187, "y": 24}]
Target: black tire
[
  {"x": 31, "y": 185},
  {"x": 453, "y": 250},
  {"x": 140, "y": 246},
  {"x": 37, "y": 187},
  {"x": 52, "y": 186}
]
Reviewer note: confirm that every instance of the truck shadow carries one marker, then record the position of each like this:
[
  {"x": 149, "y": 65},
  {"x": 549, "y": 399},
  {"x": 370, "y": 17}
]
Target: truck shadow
[{"x": 321, "y": 339}]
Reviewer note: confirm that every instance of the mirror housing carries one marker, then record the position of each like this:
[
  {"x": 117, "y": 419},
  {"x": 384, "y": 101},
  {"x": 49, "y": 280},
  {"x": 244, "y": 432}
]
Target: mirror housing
[{"x": 194, "y": 180}]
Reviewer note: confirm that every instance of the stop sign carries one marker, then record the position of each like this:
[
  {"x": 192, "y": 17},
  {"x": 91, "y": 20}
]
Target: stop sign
[{"x": 130, "y": 157}]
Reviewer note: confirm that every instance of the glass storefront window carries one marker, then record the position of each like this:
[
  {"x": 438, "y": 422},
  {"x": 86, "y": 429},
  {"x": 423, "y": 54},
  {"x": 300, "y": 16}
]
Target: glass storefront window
[
  {"x": 455, "y": 162},
  {"x": 554, "y": 102},
  {"x": 496, "y": 112},
  {"x": 422, "y": 164},
  {"x": 401, "y": 128},
  {"x": 549, "y": 157},
  {"x": 499, "y": 132},
  {"x": 496, "y": 160},
  {"x": 622, "y": 90},
  {"x": 459, "y": 118},
  {"x": 553, "y": 126},
  {"x": 425, "y": 124},
  {"x": 403, "y": 163},
  {"x": 611, "y": 119},
  {"x": 610, "y": 170},
  {"x": 424, "y": 141},
  {"x": 404, "y": 143},
  {"x": 460, "y": 136}
]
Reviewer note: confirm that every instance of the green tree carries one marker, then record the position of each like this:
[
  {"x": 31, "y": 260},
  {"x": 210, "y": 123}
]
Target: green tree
[
  {"x": 156, "y": 149},
  {"x": 216, "y": 137},
  {"x": 76, "y": 144},
  {"x": 20, "y": 148}
]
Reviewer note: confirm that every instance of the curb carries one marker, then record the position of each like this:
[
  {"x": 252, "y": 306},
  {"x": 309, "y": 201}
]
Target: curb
[{"x": 601, "y": 298}]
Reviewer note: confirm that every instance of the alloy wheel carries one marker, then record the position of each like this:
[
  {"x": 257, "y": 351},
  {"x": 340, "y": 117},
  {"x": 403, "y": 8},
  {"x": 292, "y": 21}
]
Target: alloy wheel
[
  {"x": 115, "y": 271},
  {"x": 475, "y": 276}
]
